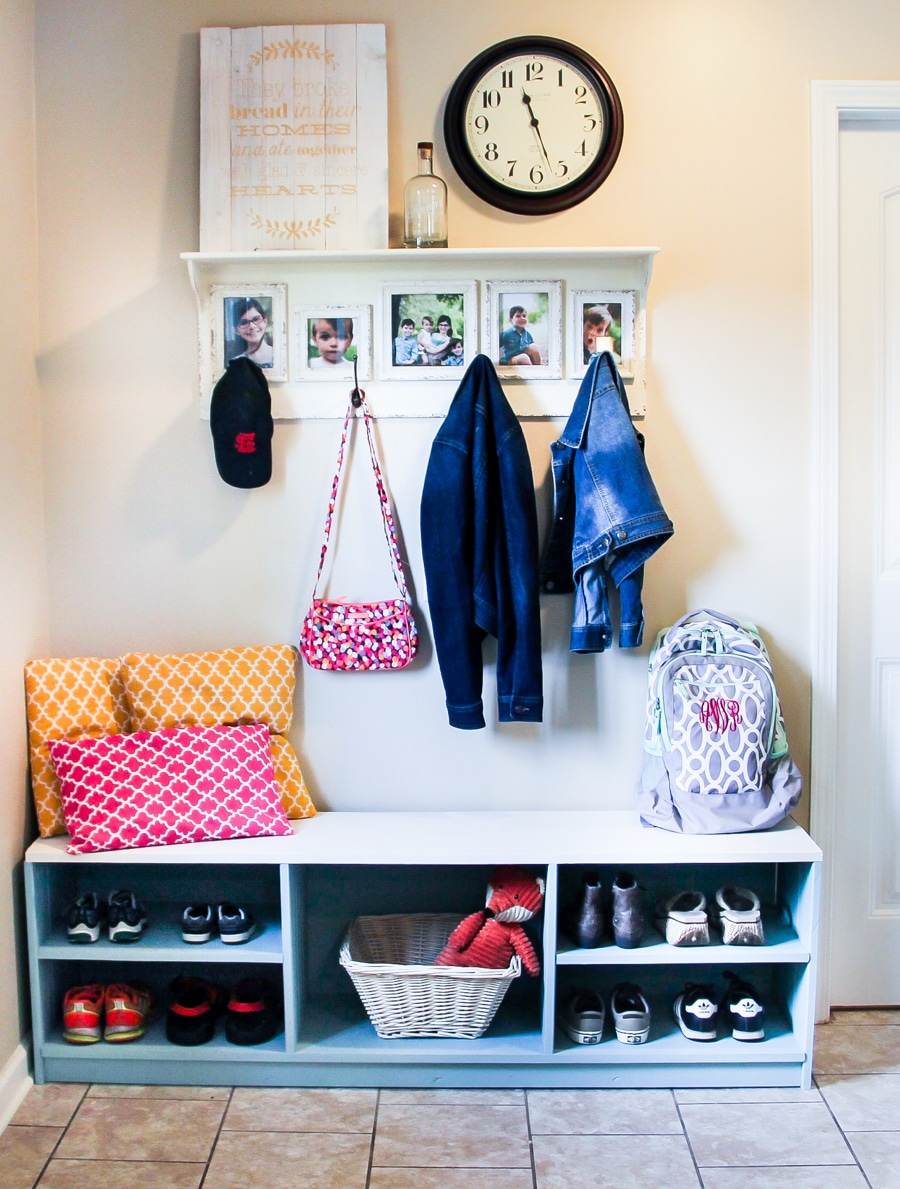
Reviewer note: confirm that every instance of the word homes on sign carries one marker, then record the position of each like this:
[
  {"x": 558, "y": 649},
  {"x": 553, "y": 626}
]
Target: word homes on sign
[{"x": 293, "y": 138}]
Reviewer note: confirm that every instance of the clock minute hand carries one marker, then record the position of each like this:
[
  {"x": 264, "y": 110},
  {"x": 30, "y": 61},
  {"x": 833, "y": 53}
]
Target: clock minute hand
[{"x": 526, "y": 99}]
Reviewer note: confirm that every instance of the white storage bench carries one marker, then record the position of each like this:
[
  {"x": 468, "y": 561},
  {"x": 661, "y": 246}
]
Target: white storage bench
[{"x": 306, "y": 890}]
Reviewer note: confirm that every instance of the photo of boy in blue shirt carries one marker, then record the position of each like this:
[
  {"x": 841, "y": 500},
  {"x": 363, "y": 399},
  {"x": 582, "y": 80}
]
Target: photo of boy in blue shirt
[
  {"x": 406, "y": 347},
  {"x": 456, "y": 355},
  {"x": 516, "y": 344}
]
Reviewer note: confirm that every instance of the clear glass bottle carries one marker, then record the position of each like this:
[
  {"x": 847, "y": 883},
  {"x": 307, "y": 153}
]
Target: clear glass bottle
[{"x": 425, "y": 205}]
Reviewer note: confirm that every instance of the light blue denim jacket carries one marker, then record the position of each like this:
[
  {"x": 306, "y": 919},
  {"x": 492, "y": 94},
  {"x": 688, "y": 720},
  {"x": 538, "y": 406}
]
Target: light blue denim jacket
[{"x": 607, "y": 516}]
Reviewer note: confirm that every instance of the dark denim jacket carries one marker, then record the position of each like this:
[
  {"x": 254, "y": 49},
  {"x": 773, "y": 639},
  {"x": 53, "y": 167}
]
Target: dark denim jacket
[
  {"x": 480, "y": 549},
  {"x": 607, "y": 515}
]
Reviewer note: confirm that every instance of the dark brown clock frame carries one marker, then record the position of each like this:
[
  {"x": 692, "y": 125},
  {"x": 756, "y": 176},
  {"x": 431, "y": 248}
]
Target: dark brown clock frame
[{"x": 489, "y": 188}]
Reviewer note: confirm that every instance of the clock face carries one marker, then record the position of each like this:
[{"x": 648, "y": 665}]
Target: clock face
[{"x": 533, "y": 125}]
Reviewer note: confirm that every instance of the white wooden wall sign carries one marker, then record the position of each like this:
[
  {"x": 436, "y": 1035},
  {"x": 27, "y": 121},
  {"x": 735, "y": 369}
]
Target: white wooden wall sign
[{"x": 293, "y": 138}]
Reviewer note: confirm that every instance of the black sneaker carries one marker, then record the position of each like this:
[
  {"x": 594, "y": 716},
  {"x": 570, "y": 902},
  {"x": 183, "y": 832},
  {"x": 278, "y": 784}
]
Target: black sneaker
[
  {"x": 126, "y": 916},
  {"x": 251, "y": 1017},
  {"x": 695, "y": 1012},
  {"x": 744, "y": 1009},
  {"x": 195, "y": 1006},
  {"x": 236, "y": 925},
  {"x": 85, "y": 917},
  {"x": 197, "y": 923}
]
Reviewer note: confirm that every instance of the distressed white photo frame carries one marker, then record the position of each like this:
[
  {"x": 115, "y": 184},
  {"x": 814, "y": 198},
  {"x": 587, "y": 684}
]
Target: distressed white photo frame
[
  {"x": 586, "y": 308},
  {"x": 456, "y": 301},
  {"x": 305, "y": 324},
  {"x": 542, "y": 305},
  {"x": 223, "y": 337}
]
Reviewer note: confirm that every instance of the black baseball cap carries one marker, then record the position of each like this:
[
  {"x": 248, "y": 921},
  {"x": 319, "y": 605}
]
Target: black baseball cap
[{"x": 240, "y": 418}]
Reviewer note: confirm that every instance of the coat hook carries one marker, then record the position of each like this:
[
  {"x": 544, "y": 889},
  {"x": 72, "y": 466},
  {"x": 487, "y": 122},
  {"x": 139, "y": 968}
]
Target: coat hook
[{"x": 357, "y": 396}]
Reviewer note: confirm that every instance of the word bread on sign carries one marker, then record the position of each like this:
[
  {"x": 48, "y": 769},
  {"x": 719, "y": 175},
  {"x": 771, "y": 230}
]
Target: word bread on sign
[{"x": 293, "y": 138}]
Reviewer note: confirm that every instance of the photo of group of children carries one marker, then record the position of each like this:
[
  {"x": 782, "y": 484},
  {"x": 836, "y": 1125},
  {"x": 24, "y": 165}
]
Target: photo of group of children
[
  {"x": 426, "y": 334},
  {"x": 429, "y": 334}
]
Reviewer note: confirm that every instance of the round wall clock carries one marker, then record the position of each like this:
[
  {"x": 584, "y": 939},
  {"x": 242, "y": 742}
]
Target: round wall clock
[{"x": 533, "y": 125}]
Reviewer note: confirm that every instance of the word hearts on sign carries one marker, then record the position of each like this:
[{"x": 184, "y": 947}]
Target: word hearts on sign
[{"x": 293, "y": 132}]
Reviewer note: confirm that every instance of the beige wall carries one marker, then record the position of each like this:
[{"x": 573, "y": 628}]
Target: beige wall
[
  {"x": 23, "y": 616},
  {"x": 149, "y": 550}
]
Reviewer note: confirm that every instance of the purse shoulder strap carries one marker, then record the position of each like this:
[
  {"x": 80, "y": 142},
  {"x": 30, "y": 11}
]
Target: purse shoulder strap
[{"x": 387, "y": 515}]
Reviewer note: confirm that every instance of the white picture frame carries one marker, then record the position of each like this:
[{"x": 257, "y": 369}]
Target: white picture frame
[
  {"x": 532, "y": 308},
  {"x": 325, "y": 323},
  {"x": 230, "y": 304},
  {"x": 621, "y": 306},
  {"x": 416, "y": 301}
]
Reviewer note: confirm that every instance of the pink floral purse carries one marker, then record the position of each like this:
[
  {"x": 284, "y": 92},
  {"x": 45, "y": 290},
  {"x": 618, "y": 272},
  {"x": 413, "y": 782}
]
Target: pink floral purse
[{"x": 351, "y": 637}]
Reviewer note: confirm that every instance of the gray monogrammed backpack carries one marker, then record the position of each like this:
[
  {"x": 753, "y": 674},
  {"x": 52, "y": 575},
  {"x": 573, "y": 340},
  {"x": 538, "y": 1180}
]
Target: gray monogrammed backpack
[{"x": 716, "y": 755}]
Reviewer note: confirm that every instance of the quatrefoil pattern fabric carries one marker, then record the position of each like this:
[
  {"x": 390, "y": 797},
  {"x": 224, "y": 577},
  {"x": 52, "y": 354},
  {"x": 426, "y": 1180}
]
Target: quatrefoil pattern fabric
[
  {"x": 68, "y": 698},
  {"x": 158, "y": 788},
  {"x": 231, "y": 686},
  {"x": 207, "y": 689}
]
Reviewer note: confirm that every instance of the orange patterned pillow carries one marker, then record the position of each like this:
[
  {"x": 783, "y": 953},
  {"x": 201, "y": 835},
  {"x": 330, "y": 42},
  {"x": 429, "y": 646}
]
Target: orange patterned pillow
[
  {"x": 230, "y": 687},
  {"x": 68, "y": 699}
]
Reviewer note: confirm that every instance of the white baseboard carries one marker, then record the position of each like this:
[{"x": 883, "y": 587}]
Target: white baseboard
[{"x": 15, "y": 1082}]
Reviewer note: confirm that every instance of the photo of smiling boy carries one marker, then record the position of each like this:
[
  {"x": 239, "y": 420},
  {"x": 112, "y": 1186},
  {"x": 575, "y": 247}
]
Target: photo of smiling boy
[
  {"x": 406, "y": 346},
  {"x": 517, "y": 346}
]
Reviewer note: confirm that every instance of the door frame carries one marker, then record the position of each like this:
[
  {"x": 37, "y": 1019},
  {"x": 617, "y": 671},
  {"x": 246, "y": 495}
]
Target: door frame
[{"x": 831, "y": 104}]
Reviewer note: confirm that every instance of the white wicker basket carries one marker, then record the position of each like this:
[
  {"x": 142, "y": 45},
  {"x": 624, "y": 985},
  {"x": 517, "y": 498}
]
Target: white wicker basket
[{"x": 389, "y": 959}]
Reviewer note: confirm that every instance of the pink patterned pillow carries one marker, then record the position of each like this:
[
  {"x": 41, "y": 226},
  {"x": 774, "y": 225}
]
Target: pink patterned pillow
[{"x": 181, "y": 784}]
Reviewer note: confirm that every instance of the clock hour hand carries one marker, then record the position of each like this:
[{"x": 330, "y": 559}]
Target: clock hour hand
[{"x": 526, "y": 99}]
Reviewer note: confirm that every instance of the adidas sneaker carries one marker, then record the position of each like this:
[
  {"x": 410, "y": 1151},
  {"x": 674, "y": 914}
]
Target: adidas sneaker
[
  {"x": 744, "y": 1009},
  {"x": 695, "y": 1012}
]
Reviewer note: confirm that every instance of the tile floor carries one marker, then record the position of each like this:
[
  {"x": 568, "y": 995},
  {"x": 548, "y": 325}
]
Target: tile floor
[{"x": 844, "y": 1134}]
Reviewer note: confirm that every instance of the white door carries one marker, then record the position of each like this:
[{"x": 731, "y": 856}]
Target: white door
[{"x": 865, "y": 934}]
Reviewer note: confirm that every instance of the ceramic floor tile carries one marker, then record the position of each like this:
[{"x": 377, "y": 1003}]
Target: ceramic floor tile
[
  {"x": 613, "y": 1162},
  {"x": 451, "y": 1178},
  {"x": 857, "y": 1049},
  {"x": 23, "y": 1153},
  {"x": 879, "y": 1154},
  {"x": 285, "y": 1160},
  {"x": 843, "y": 1177},
  {"x": 50, "y": 1105},
  {"x": 864, "y": 1101},
  {"x": 774, "y": 1094},
  {"x": 104, "y": 1129},
  {"x": 603, "y": 1112},
  {"x": 301, "y": 1110},
  {"x": 201, "y": 1093},
  {"x": 120, "y": 1174},
  {"x": 452, "y": 1097},
  {"x": 451, "y": 1137},
  {"x": 763, "y": 1134}
]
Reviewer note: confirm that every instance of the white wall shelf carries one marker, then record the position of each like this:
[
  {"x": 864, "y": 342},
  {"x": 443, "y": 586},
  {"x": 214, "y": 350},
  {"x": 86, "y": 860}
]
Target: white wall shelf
[
  {"x": 346, "y": 278},
  {"x": 306, "y": 889}
]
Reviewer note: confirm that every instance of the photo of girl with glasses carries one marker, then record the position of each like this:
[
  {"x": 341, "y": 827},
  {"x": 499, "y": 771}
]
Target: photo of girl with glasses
[{"x": 247, "y": 333}]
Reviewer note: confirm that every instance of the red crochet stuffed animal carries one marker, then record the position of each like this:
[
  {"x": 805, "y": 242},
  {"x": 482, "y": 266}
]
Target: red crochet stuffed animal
[{"x": 489, "y": 938}]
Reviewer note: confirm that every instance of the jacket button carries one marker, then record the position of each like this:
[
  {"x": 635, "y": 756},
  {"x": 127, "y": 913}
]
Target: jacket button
[
  {"x": 549, "y": 586},
  {"x": 622, "y": 535}
]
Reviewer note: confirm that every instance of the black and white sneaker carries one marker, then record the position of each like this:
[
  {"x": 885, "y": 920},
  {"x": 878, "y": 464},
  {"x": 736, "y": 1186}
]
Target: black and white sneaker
[
  {"x": 744, "y": 1009},
  {"x": 197, "y": 923},
  {"x": 235, "y": 924},
  {"x": 85, "y": 918},
  {"x": 695, "y": 1012},
  {"x": 126, "y": 916}
]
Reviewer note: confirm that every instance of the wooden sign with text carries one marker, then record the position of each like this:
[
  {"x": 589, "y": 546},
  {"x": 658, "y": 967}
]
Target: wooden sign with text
[{"x": 293, "y": 138}]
